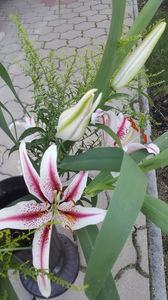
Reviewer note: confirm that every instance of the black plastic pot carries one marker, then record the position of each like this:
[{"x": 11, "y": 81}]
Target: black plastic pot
[{"x": 64, "y": 258}]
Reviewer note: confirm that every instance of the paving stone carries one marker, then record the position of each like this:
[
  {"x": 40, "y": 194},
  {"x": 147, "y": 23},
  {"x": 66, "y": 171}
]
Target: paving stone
[
  {"x": 22, "y": 81},
  {"x": 57, "y": 22},
  {"x": 70, "y": 35},
  {"x": 49, "y": 37},
  {"x": 6, "y": 94},
  {"x": 14, "y": 108},
  {"x": 69, "y": 16},
  {"x": 124, "y": 260},
  {"x": 77, "y": 20},
  {"x": 79, "y": 42},
  {"x": 84, "y": 26},
  {"x": 81, "y": 8},
  {"x": 11, "y": 49},
  {"x": 133, "y": 286},
  {"x": 26, "y": 95},
  {"x": 15, "y": 69},
  {"x": 93, "y": 33},
  {"x": 55, "y": 44},
  {"x": 103, "y": 24},
  {"x": 43, "y": 30},
  {"x": 63, "y": 28},
  {"x": 142, "y": 241},
  {"x": 38, "y": 24},
  {"x": 66, "y": 51},
  {"x": 87, "y": 13},
  {"x": 105, "y": 12}
]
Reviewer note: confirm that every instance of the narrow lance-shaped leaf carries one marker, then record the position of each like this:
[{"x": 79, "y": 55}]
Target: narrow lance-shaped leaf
[
  {"x": 5, "y": 76},
  {"x": 123, "y": 210},
  {"x": 156, "y": 211},
  {"x": 4, "y": 126},
  {"x": 108, "y": 63},
  {"x": 87, "y": 237},
  {"x": 158, "y": 161},
  {"x": 6, "y": 287},
  {"x": 107, "y": 159}
]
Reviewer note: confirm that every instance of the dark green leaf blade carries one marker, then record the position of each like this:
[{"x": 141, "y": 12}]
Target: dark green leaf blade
[
  {"x": 4, "y": 126},
  {"x": 107, "y": 159},
  {"x": 108, "y": 63},
  {"x": 123, "y": 210},
  {"x": 156, "y": 211},
  {"x": 87, "y": 237},
  {"x": 158, "y": 161},
  {"x": 5, "y": 285}
]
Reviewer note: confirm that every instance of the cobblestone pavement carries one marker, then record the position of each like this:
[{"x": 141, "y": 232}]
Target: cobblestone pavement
[{"x": 78, "y": 21}]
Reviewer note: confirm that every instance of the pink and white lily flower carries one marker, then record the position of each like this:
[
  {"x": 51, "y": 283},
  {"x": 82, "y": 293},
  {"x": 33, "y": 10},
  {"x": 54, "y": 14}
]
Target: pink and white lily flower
[
  {"x": 125, "y": 129},
  {"x": 54, "y": 205}
]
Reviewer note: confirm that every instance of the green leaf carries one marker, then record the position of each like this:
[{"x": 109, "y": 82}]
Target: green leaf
[
  {"x": 30, "y": 131},
  {"x": 156, "y": 211},
  {"x": 158, "y": 161},
  {"x": 4, "y": 126},
  {"x": 101, "y": 182},
  {"x": 123, "y": 210},
  {"x": 108, "y": 63},
  {"x": 110, "y": 132},
  {"x": 144, "y": 17},
  {"x": 107, "y": 159},
  {"x": 5, "y": 285},
  {"x": 4, "y": 107},
  {"x": 87, "y": 237},
  {"x": 5, "y": 76},
  {"x": 162, "y": 141}
]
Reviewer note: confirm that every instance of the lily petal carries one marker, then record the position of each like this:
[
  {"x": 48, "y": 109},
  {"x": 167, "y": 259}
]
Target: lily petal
[
  {"x": 151, "y": 148},
  {"x": 77, "y": 217},
  {"x": 76, "y": 187},
  {"x": 29, "y": 173},
  {"x": 73, "y": 121},
  {"x": 24, "y": 215},
  {"x": 41, "y": 248},
  {"x": 49, "y": 178}
]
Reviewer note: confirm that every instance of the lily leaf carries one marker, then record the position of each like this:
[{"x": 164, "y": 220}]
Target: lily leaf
[
  {"x": 4, "y": 126},
  {"x": 6, "y": 286},
  {"x": 123, "y": 210},
  {"x": 87, "y": 237},
  {"x": 156, "y": 211},
  {"x": 107, "y": 159},
  {"x": 158, "y": 161}
]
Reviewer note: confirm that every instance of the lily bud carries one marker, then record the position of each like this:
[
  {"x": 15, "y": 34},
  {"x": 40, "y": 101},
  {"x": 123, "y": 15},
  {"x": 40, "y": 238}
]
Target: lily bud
[
  {"x": 73, "y": 121},
  {"x": 136, "y": 59}
]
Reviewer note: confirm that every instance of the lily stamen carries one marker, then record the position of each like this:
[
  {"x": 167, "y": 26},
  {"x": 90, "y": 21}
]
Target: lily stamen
[
  {"x": 70, "y": 199},
  {"x": 67, "y": 226},
  {"x": 133, "y": 125},
  {"x": 39, "y": 213},
  {"x": 144, "y": 136}
]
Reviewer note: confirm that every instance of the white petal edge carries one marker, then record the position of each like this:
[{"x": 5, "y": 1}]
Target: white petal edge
[
  {"x": 75, "y": 189},
  {"x": 29, "y": 173},
  {"x": 49, "y": 178},
  {"x": 78, "y": 217},
  {"x": 41, "y": 249},
  {"x": 24, "y": 215},
  {"x": 151, "y": 148}
]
